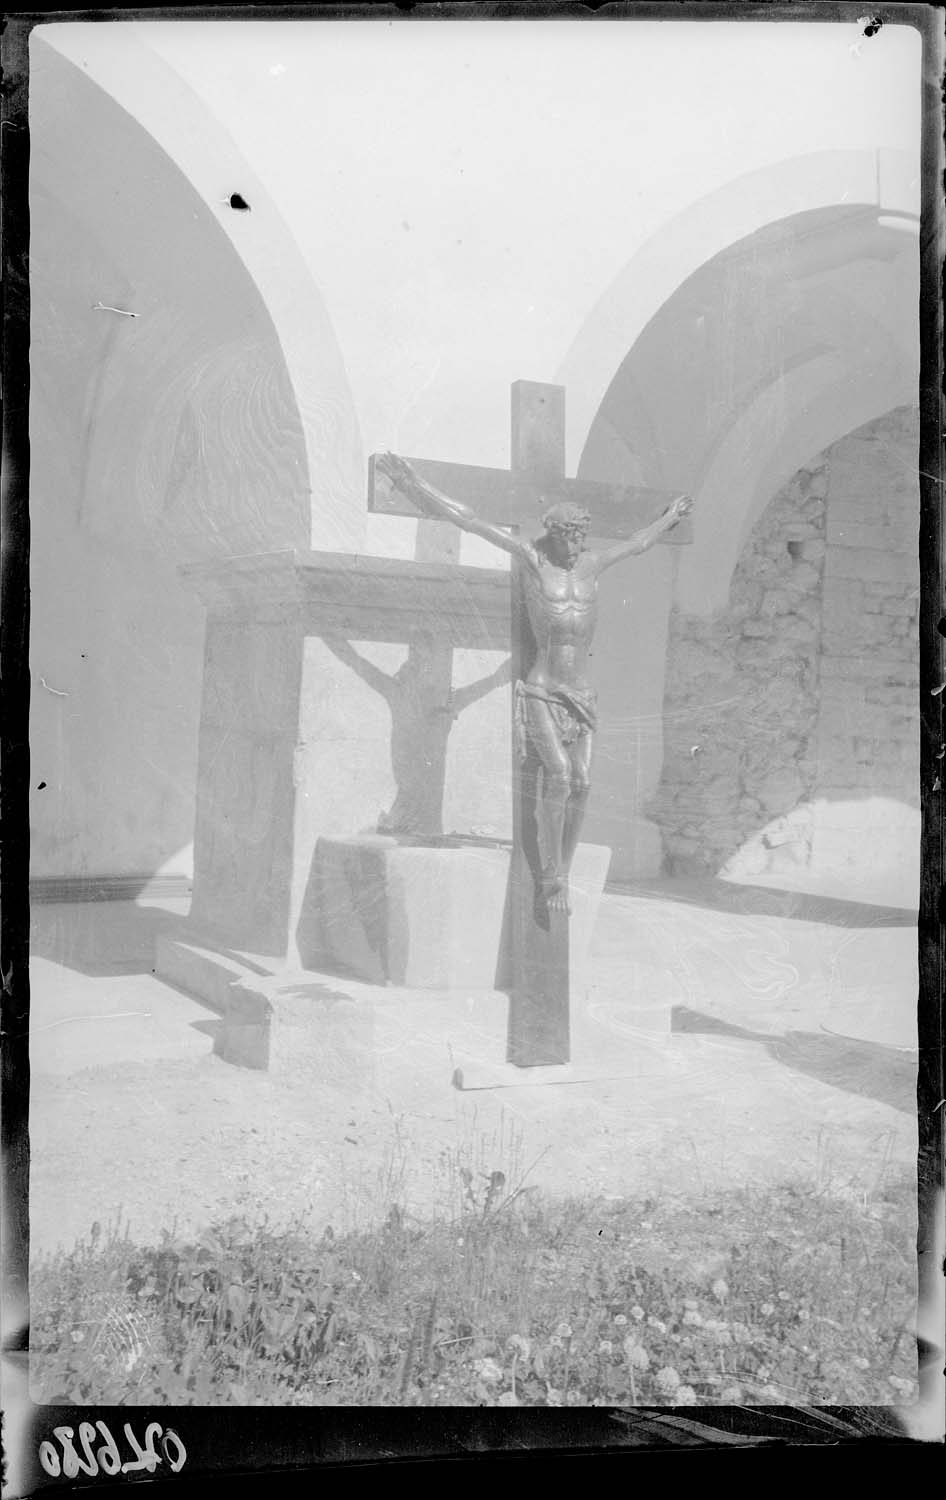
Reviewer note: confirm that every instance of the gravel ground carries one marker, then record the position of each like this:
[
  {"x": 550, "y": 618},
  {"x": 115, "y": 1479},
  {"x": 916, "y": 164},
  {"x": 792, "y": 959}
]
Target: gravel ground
[{"x": 191, "y": 1139}]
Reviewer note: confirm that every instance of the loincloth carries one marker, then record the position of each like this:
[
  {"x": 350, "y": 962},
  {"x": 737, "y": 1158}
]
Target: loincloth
[{"x": 573, "y": 711}]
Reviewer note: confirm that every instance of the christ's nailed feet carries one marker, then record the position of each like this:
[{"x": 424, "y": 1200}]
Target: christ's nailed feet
[{"x": 555, "y": 892}]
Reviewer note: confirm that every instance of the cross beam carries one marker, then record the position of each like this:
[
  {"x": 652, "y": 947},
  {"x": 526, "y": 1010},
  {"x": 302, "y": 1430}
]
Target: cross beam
[
  {"x": 512, "y": 497},
  {"x": 538, "y": 1028}
]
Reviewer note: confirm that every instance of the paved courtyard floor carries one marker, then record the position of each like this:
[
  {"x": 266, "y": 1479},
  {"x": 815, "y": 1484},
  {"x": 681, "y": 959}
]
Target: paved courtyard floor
[{"x": 792, "y": 1055}]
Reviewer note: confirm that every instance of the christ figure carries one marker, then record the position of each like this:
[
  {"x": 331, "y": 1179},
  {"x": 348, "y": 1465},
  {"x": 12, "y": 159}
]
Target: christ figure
[{"x": 555, "y": 704}]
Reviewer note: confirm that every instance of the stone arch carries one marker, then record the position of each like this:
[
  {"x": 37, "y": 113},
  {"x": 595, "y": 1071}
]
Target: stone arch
[
  {"x": 125, "y": 76},
  {"x": 884, "y": 178},
  {"x": 808, "y": 326},
  {"x": 180, "y": 433},
  {"x": 775, "y": 343}
]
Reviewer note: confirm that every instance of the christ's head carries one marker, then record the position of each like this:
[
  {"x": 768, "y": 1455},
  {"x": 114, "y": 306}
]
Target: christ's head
[{"x": 566, "y": 533}]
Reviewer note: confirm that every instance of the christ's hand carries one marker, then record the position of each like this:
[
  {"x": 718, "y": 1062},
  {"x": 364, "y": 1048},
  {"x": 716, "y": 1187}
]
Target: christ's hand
[
  {"x": 399, "y": 472},
  {"x": 681, "y": 507},
  {"x": 430, "y": 501}
]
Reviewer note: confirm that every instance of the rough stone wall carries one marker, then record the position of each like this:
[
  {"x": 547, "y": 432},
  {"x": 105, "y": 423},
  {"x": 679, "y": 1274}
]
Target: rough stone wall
[
  {"x": 802, "y": 693},
  {"x": 742, "y": 689},
  {"x": 867, "y": 738}
]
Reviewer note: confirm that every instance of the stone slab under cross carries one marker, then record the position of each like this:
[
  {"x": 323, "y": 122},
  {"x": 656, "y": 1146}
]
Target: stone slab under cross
[{"x": 538, "y": 1030}]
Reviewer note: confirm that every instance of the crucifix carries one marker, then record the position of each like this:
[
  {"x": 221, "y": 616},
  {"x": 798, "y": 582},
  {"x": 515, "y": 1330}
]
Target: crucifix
[{"x": 554, "y": 585}]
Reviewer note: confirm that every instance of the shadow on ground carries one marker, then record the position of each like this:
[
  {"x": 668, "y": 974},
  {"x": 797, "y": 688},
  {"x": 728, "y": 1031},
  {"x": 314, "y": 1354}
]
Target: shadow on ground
[
  {"x": 869, "y": 1069},
  {"x": 759, "y": 900},
  {"x": 99, "y": 938}
]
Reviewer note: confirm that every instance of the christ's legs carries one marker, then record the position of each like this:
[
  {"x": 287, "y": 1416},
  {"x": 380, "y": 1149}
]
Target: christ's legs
[
  {"x": 557, "y": 774},
  {"x": 575, "y": 807}
]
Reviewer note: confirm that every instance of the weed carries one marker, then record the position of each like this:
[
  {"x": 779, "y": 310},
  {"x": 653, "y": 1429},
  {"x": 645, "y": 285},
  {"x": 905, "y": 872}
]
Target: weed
[{"x": 788, "y": 1295}]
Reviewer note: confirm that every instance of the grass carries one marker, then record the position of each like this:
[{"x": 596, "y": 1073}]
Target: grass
[{"x": 784, "y": 1296}]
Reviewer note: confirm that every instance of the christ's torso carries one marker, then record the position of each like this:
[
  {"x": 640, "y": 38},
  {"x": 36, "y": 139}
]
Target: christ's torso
[{"x": 563, "y": 610}]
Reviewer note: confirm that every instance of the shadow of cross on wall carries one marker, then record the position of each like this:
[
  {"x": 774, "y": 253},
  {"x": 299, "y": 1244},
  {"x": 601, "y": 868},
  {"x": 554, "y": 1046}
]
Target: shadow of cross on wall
[{"x": 423, "y": 704}]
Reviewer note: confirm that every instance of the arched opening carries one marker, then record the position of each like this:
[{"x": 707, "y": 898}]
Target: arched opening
[
  {"x": 792, "y": 715},
  {"x": 768, "y": 353}
]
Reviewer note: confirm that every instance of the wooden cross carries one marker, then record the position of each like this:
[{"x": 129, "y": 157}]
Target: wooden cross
[{"x": 538, "y": 1031}]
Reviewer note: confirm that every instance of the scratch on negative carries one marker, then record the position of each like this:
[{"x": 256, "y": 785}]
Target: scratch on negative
[
  {"x": 111, "y": 1015},
  {"x": 56, "y": 691},
  {"x": 104, "y": 307}
]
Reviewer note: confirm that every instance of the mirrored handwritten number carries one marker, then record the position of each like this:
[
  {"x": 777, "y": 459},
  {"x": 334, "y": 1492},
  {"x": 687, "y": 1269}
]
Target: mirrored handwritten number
[{"x": 107, "y": 1459}]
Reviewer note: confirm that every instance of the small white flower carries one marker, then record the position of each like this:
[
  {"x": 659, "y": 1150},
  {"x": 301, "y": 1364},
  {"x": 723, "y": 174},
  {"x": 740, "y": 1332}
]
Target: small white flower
[
  {"x": 555, "y": 1342},
  {"x": 606, "y": 1347},
  {"x": 564, "y": 1330},
  {"x": 692, "y": 1318},
  {"x": 784, "y": 1297},
  {"x": 905, "y": 1387},
  {"x": 637, "y": 1313},
  {"x": 667, "y": 1380},
  {"x": 861, "y": 1363},
  {"x": 720, "y": 1290},
  {"x": 803, "y": 1315},
  {"x": 730, "y": 1395},
  {"x": 657, "y": 1324},
  {"x": 553, "y": 1397},
  {"x": 767, "y": 1309},
  {"x": 685, "y": 1396},
  {"x": 488, "y": 1370},
  {"x": 575, "y": 1398},
  {"x": 636, "y": 1355},
  {"x": 508, "y": 1398},
  {"x": 621, "y": 1320}
]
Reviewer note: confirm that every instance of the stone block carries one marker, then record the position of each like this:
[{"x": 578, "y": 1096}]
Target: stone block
[
  {"x": 892, "y": 696},
  {"x": 853, "y": 637},
  {"x": 838, "y": 720},
  {"x": 864, "y": 563},
  {"x": 879, "y": 536},
  {"x": 805, "y": 575},
  {"x": 865, "y": 669},
  {"x": 904, "y": 606},
  {"x": 431, "y": 918},
  {"x": 282, "y": 1024},
  {"x": 853, "y": 509}
]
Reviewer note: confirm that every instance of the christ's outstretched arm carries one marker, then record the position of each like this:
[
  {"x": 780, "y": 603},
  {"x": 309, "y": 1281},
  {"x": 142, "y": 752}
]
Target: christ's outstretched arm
[
  {"x": 440, "y": 507},
  {"x": 641, "y": 541}
]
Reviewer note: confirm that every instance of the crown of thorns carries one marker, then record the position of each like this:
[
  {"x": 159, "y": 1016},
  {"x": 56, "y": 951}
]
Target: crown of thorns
[{"x": 566, "y": 517}]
